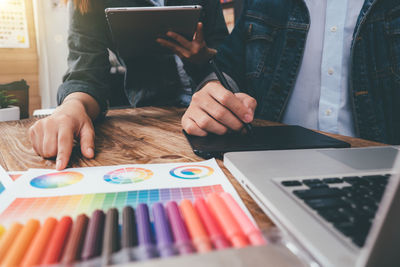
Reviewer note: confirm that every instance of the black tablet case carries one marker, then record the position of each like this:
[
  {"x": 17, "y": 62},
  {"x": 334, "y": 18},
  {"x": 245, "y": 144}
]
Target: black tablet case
[{"x": 263, "y": 138}]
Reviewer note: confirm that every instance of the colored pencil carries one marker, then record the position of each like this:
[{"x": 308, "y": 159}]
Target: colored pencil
[
  {"x": 196, "y": 228},
  {"x": 165, "y": 241},
  {"x": 252, "y": 232},
  {"x": 181, "y": 236},
  {"x": 111, "y": 240},
  {"x": 2, "y": 231},
  {"x": 73, "y": 249},
  {"x": 57, "y": 241},
  {"x": 8, "y": 239},
  {"x": 129, "y": 236},
  {"x": 21, "y": 243},
  {"x": 214, "y": 231},
  {"x": 145, "y": 244},
  {"x": 94, "y": 236},
  {"x": 226, "y": 220},
  {"x": 39, "y": 243}
]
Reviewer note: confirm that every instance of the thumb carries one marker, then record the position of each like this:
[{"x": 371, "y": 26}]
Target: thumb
[
  {"x": 86, "y": 137},
  {"x": 199, "y": 37}
]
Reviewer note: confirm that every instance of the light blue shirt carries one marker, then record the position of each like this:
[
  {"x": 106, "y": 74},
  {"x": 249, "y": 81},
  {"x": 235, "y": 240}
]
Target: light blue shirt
[{"x": 320, "y": 97}]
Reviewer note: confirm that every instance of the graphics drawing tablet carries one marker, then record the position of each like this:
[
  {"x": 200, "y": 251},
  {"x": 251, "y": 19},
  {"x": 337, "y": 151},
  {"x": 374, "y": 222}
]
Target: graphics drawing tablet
[{"x": 263, "y": 138}]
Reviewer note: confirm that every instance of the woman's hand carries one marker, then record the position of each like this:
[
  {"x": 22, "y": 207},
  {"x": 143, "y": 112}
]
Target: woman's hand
[
  {"x": 54, "y": 136},
  {"x": 195, "y": 51}
]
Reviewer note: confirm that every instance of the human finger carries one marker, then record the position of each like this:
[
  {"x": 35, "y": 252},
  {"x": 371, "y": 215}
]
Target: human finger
[
  {"x": 221, "y": 114},
  {"x": 87, "y": 140},
  {"x": 35, "y": 135},
  {"x": 49, "y": 143},
  {"x": 229, "y": 100},
  {"x": 180, "y": 39},
  {"x": 191, "y": 127},
  {"x": 179, "y": 50},
  {"x": 248, "y": 101},
  {"x": 206, "y": 123},
  {"x": 199, "y": 37},
  {"x": 65, "y": 144}
]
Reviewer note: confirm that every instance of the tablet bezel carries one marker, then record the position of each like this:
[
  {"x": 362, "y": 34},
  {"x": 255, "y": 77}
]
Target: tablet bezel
[{"x": 132, "y": 40}]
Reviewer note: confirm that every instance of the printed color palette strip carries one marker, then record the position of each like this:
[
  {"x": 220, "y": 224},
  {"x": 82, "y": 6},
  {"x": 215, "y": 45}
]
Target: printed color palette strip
[{"x": 23, "y": 209}]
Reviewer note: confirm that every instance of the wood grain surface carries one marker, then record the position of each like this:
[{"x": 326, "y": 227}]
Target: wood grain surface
[{"x": 129, "y": 136}]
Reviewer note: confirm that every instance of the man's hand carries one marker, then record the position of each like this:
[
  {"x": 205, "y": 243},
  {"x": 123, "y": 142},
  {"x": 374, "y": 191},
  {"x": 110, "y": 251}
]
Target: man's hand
[
  {"x": 195, "y": 51},
  {"x": 54, "y": 136},
  {"x": 216, "y": 110}
]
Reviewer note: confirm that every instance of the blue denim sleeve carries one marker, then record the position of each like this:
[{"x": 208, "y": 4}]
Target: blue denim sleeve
[
  {"x": 88, "y": 58},
  {"x": 231, "y": 53}
]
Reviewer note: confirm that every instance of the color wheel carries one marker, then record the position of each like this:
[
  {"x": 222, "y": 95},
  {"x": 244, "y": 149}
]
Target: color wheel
[
  {"x": 128, "y": 175},
  {"x": 56, "y": 180},
  {"x": 191, "y": 172}
]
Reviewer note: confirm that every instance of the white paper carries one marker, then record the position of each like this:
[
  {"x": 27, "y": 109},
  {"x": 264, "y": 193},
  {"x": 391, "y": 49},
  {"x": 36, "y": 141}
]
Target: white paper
[{"x": 90, "y": 180}]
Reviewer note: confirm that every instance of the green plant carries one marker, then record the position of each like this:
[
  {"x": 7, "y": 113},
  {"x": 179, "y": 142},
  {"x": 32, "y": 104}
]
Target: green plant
[{"x": 6, "y": 100}]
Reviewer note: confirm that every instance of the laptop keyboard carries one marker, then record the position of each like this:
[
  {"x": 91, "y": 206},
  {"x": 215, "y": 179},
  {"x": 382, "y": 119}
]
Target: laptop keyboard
[{"x": 348, "y": 203}]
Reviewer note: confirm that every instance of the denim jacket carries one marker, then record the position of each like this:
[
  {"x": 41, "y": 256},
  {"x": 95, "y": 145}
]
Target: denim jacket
[
  {"x": 264, "y": 53},
  {"x": 148, "y": 81}
]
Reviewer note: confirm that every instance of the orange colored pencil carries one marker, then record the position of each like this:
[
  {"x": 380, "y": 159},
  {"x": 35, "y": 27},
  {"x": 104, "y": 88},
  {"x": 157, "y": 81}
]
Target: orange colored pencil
[
  {"x": 196, "y": 228},
  {"x": 21, "y": 243},
  {"x": 8, "y": 239},
  {"x": 38, "y": 246},
  {"x": 57, "y": 241}
]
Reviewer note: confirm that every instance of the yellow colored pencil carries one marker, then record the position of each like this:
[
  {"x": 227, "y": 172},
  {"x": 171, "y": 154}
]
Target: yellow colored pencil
[{"x": 8, "y": 239}]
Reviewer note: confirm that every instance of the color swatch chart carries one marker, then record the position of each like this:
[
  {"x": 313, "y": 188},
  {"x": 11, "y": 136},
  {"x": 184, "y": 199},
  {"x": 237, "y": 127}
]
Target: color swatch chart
[
  {"x": 145, "y": 232},
  {"x": 23, "y": 209}
]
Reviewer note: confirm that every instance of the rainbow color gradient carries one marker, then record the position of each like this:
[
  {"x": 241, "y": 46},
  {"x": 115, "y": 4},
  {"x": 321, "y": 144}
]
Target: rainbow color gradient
[
  {"x": 191, "y": 171},
  {"x": 23, "y": 209},
  {"x": 56, "y": 180},
  {"x": 128, "y": 175}
]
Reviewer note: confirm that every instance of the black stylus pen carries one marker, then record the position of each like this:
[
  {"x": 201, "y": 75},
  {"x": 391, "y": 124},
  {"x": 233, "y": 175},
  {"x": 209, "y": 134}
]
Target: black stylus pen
[{"x": 225, "y": 84}]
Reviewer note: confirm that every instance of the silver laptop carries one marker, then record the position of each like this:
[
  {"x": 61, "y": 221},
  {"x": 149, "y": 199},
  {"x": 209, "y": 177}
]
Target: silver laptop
[{"x": 339, "y": 206}]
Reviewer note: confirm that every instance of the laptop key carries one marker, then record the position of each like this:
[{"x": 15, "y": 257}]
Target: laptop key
[
  {"x": 334, "y": 216},
  {"x": 319, "y": 185},
  {"x": 325, "y": 203},
  {"x": 312, "y": 181},
  {"x": 291, "y": 183},
  {"x": 318, "y": 193},
  {"x": 332, "y": 180}
]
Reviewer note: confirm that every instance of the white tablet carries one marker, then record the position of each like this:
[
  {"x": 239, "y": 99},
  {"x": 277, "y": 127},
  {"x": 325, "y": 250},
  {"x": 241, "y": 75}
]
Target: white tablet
[{"x": 135, "y": 29}]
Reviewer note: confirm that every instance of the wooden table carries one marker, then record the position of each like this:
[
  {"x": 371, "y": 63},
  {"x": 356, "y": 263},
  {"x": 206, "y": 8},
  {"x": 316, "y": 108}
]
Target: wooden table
[{"x": 128, "y": 136}]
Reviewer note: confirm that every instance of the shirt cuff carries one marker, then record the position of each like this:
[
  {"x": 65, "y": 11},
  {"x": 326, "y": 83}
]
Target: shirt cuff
[
  {"x": 213, "y": 77},
  {"x": 74, "y": 86}
]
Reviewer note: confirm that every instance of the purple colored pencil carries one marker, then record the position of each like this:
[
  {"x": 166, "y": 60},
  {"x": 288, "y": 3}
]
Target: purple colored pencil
[
  {"x": 94, "y": 236},
  {"x": 165, "y": 241},
  {"x": 181, "y": 235},
  {"x": 146, "y": 245}
]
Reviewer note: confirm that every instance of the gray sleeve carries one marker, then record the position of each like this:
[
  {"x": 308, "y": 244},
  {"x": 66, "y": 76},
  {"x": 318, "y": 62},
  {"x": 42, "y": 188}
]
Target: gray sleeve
[
  {"x": 88, "y": 58},
  {"x": 213, "y": 77}
]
